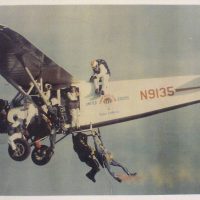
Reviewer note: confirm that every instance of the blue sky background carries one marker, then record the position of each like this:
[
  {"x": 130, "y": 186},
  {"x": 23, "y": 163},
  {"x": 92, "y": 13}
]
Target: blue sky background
[{"x": 137, "y": 42}]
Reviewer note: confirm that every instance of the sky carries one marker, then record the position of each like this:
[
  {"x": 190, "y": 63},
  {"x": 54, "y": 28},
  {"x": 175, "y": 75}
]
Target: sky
[{"x": 137, "y": 42}]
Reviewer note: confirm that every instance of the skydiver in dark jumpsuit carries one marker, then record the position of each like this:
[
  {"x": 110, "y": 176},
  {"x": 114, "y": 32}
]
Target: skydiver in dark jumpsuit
[
  {"x": 57, "y": 117},
  {"x": 53, "y": 116},
  {"x": 85, "y": 153},
  {"x": 4, "y": 107}
]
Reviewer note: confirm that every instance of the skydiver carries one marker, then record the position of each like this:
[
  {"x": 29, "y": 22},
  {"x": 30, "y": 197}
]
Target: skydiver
[
  {"x": 4, "y": 107},
  {"x": 52, "y": 114},
  {"x": 73, "y": 96},
  {"x": 101, "y": 72},
  {"x": 85, "y": 153},
  {"x": 54, "y": 119},
  {"x": 106, "y": 159},
  {"x": 57, "y": 117},
  {"x": 16, "y": 127}
]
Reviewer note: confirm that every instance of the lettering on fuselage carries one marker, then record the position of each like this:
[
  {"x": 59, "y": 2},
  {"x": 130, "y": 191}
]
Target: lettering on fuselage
[
  {"x": 107, "y": 99},
  {"x": 90, "y": 103},
  {"x": 123, "y": 98},
  {"x": 157, "y": 93}
]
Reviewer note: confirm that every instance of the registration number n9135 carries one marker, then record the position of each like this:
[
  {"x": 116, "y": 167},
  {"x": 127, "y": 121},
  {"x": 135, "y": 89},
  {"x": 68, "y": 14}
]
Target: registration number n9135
[{"x": 157, "y": 93}]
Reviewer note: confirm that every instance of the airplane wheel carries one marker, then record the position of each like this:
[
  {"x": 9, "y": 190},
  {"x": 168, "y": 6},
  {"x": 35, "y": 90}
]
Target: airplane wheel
[
  {"x": 41, "y": 156},
  {"x": 22, "y": 151}
]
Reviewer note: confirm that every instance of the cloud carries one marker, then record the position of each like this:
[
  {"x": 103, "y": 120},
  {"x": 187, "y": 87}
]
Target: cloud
[
  {"x": 171, "y": 177},
  {"x": 160, "y": 177}
]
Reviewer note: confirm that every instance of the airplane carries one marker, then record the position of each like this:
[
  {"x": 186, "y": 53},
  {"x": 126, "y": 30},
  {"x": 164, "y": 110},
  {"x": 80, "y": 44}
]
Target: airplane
[{"x": 37, "y": 79}]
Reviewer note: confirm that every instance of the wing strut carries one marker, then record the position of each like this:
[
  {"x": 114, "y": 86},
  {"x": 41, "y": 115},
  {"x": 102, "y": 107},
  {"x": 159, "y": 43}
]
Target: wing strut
[
  {"x": 33, "y": 80},
  {"x": 36, "y": 85},
  {"x": 17, "y": 87}
]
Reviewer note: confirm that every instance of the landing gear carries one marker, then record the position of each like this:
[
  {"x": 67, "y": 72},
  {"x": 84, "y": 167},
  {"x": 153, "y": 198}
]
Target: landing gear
[
  {"x": 41, "y": 156},
  {"x": 22, "y": 150}
]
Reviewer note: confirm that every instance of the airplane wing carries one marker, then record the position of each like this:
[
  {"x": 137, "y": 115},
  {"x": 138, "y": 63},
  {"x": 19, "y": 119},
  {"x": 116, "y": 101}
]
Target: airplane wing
[{"x": 16, "y": 53}]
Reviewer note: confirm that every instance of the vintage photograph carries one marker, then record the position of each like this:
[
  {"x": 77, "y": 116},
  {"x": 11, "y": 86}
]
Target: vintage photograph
[{"x": 99, "y": 100}]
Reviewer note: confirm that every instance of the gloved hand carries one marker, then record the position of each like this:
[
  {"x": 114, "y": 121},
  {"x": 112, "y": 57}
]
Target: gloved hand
[
  {"x": 118, "y": 179},
  {"x": 92, "y": 152},
  {"x": 92, "y": 78}
]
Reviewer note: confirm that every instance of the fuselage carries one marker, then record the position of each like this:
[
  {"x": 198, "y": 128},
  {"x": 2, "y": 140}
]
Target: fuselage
[{"x": 131, "y": 99}]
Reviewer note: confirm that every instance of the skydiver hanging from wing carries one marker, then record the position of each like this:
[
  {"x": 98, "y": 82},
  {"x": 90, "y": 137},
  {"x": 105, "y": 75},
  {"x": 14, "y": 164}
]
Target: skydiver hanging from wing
[
  {"x": 106, "y": 159},
  {"x": 101, "y": 72}
]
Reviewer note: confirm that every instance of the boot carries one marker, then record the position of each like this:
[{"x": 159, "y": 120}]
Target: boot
[
  {"x": 90, "y": 175},
  {"x": 118, "y": 179}
]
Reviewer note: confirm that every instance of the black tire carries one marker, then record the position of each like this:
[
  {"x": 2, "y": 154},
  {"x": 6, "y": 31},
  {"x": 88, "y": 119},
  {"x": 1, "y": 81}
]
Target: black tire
[
  {"x": 41, "y": 156},
  {"x": 22, "y": 152}
]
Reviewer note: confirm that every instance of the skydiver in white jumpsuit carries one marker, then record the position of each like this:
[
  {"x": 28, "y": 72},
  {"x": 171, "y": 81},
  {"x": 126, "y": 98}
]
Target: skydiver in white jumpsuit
[
  {"x": 101, "y": 73},
  {"x": 73, "y": 97}
]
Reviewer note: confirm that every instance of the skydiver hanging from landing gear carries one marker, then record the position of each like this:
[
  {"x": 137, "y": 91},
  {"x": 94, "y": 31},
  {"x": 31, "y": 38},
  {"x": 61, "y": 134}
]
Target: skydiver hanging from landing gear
[
  {"x": 101, "y": 72},
  {"x": 56, "y": 116},
  {"x": 51, "y": 112},
  {"x": 85, "y": 153},
  {"x": 53, "y": 116},
  {"x": 106, "y": 159}
]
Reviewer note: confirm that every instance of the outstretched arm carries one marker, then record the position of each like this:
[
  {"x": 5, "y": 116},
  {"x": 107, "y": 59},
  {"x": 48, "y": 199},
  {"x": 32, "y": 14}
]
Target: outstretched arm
[
  {"x": 117, "y": 164},
  {"x": 107, "y": 166}
]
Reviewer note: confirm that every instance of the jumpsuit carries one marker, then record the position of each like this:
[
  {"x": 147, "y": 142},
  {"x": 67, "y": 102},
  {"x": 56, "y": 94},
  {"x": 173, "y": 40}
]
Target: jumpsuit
[
  {"x": 101, "y": 73},
  {"x": 103, "y": 155},
  {"x": 85, "y": 152},
  {"x": 74, "y": 109}
]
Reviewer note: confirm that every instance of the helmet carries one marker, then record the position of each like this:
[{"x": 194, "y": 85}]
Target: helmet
[
  {"x": 93, "y": 63},
  {"x": 54, "y": 101},
  {"x": 72, "y": 85},
  {"x": 48, "y": 86}
]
